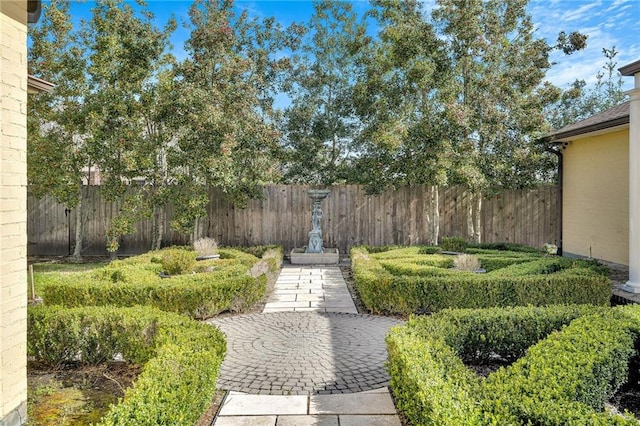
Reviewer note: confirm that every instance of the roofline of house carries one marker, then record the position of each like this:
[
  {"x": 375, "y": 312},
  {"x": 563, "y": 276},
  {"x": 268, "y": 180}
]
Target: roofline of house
[
  {"x": 630, "y": 69},
  {"x": 610, "y": 124},
  {"x": 39, "y": 85}
]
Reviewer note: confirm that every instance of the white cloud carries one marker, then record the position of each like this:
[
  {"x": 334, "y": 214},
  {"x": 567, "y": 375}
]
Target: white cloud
[
  {"x": 582, "y": 12},
  {"x": 608, "y": 23}
]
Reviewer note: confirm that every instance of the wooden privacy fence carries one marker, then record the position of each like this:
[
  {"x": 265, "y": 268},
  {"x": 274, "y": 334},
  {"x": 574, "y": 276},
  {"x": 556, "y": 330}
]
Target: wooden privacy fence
[{"x": 283, "y": 216}]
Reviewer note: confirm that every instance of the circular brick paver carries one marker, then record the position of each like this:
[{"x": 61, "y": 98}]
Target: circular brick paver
[{"x": 304, "y": 353}]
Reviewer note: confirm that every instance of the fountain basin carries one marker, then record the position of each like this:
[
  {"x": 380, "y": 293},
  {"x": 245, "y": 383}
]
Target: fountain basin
[{"x": 329, "y": 256}]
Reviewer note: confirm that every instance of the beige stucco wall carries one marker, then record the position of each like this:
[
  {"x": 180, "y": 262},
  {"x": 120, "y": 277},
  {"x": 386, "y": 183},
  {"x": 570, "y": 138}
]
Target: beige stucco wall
[
  {"x": 596, "y": 197},
  {"x": 13, "y": 232}
]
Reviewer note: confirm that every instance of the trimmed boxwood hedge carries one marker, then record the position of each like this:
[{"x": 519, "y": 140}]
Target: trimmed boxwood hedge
[
  {"x": 578, "y": 357},
  {"x": 136, "y": 281},
  {"x": 402, "y": 282},
  {"x": 181, "y": 357}
]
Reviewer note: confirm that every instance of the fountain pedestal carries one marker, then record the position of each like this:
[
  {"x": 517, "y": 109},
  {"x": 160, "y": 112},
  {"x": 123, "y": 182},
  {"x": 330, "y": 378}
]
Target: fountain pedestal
[{"x": 315, "y": 253}]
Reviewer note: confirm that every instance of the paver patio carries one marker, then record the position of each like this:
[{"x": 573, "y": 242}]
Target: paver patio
[{"x": 308, "y": 359}]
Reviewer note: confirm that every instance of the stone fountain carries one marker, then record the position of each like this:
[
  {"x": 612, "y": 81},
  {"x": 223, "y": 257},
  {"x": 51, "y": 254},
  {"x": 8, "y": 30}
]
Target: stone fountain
[{"x": 315, "y": 253}]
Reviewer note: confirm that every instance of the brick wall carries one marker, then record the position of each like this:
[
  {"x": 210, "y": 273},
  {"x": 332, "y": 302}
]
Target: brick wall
[{"x": 13, "y": 232}]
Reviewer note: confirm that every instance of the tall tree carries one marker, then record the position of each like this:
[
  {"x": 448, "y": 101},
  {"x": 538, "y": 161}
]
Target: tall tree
[
  {"x": 581, "y": 101},
  {"x": 126, "y": 53},
  {"x": 224, "y": 123},
  {"x": 58, "y": 154},
  {"x": 496, "y": 94},
  {"x": 403, "y": 140},
  {"x": 320, "y": 124}
]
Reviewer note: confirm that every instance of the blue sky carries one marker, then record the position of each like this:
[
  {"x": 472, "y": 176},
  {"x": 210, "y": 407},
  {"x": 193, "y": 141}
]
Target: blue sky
[{"x": 608, "y": 23}]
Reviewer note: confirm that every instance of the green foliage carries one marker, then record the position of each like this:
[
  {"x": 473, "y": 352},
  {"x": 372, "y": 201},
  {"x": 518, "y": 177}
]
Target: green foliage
[
  {"x": 126, "y": 59},
  {"x": 479, "y": 335},
  {"x": 403, "y": 139},
  {"x": 181, "y": 357},
  {"x": 177, "y": 261},
  {"x": 380, "y": 249},
  {"x": 403, "y": 281},
  {"x": 510, "y": 247},
  {"x": 580, "y": 101},
  {"x": 135, "y": 281},
  {"x": 258, "y": 251},
  {"x": 430, "y": 383},
  {"x": 427, "y": 250},
  {"x": 56, "y": 155},
  {"x": 571, "y": 359},
  {"x": 122, "y": 101},
  {"x": 320, "y": 125},
  {"x": 55, "y": 162},
  {"x": 272, "y": 254},
  {"x": 456, "y": 244},
  {"x": 569, "y": 374},
  {"x": 229, "y": 143}
]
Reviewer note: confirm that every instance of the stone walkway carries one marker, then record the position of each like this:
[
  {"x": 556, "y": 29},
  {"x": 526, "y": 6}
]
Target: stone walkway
[{"x": 309, "y": 359}]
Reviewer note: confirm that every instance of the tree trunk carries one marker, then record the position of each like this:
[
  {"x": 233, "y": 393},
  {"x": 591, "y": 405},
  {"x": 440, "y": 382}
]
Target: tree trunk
[
  {"x": 158, "y": 228},
  {"x": 471, "y": 232},
  {"x": 195, "y": 233},
  {"x": 474, "y": 217},
  {"x": 433, "y": 218},
  {"x": 80, "y": 221},
  {"x": 477, "y": 236}
]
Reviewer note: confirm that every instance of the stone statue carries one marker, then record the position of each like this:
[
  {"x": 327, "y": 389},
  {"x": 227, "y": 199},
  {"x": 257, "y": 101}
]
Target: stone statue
[
  {"x": 315, "y": 235},
  {"x": 316, "y": 217}
]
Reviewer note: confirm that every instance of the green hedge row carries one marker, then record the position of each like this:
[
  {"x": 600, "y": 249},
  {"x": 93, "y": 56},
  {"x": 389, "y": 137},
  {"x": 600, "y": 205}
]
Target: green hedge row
[
  {"x": 181, "y": 357},
  {"x": 230, "y": 286},
  {"x": 578, "y": 357},
  {"x": 421, "y": 288},
  {"x": 568, "y": 377}
]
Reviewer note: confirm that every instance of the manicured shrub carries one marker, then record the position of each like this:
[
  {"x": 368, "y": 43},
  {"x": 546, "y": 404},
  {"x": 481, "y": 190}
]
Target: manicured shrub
[
  {"x": 577, "y": 358},
  {"x": 258, "y": 251},
  {"x": 505, "y": 247},
  {"x": 428, "y": 250},
  {"x": 381, "y": 249},
  {"x": 456, "y": 244},
  {"x": 396, "y": 282},
  {"x": 430, "y": 383},
  {"x": 411, "y": 268},
  {"x": 272, "y": 254},
  {"x": 566, "y": 376},
  {"x": 479, "y": 335},
  {"x": 176, "y": 261},
  {"x": 181, "y": 357},
  {"x": 233, "y": 284}
]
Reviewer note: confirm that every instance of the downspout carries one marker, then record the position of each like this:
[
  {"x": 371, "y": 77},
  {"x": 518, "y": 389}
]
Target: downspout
[{"x": 558, "y": 153}]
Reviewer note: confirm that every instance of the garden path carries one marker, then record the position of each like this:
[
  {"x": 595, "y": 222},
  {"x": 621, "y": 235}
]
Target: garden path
[{"x": 308, "y": 359}]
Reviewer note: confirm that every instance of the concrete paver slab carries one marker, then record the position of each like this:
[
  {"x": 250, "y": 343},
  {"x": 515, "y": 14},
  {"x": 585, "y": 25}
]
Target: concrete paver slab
[
  {"x": 287, "y": 305},
  {"x": 357, "y": 403},
  {"x": 307, "y": 421},
  {"x": 385, "y": 420},
  {"x": 236, "y": 404},
  {"x": 282, "y": 297},
  {"x": 245, "y": 421},
  {"x": 309, "y": 297},
  {"x": 352, "y": 310}
]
